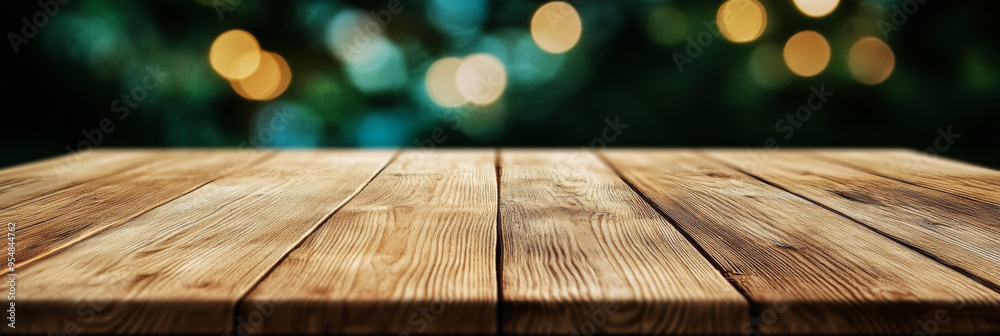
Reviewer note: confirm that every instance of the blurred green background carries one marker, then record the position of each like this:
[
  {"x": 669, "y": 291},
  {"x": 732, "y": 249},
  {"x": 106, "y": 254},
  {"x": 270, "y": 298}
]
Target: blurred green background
[{"x": 63, "y": 82}]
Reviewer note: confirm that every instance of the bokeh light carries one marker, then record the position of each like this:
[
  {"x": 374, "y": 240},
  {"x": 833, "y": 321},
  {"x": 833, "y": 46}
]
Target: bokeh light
[
  {"x": 287, "y": 125},
  {"x": 481, "y": 79},
  {"x": 346, "y": 35},
  {"x": 979, "y": 69},
  {"x": 556, "y": 27},
  {"x": 606, "y": 15},
  {"x": 494, "y": 45},
  {"x": 286, "y": 76},
  {"x": 458, "y": 19},
  {"x": 529, "y": 65},
  {"x": 383, "y": 129},
  {"x": 667, "y": 25},
  {"x": 766, "y": 67},
  {"x": 816, "y": 8},
  {"x": 378, "y": 68},
  {"x": 483, "y": 123},
  {"x": 263, "y": 83},
  {"x": 349, "y": 58},
  {"x": 807, "y": 53},
  {"x": 235, "y": 54},
  {"x": 374, "y": 64},
  {"x": 441, "y": 82},
  {"x": 741, "y": 20},
  {"x": 871, "y": 61}
]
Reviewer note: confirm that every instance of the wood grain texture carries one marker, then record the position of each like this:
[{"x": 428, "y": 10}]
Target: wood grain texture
[
  {"x": 182, "y": 267},
  {"x": 32, "y": 180},
  {"x": 958, "y": 178},
  {"x": 804, "y": 268},
  {"x": 957, "y": 231},
  {"x": 582, "y": 252},
  {"x": 49, "y": 223},
  {"x": 414, "y": 253}
]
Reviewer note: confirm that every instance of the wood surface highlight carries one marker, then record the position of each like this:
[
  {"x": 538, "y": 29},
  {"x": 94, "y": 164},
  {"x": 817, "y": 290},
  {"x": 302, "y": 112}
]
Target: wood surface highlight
[
  {"x": 413, "y": 253},
  {"x": 958, "y": 178},
  {"x": 959, "y": 232},
  {"x": 35, "y": 179},
  {"x": 804, "y": 268},
  {"x": 512, "y": 241},
  {"x": 181, "y": 267},
  {"x": 583, "y": 253},
  {"x": 47, "y": 224}
]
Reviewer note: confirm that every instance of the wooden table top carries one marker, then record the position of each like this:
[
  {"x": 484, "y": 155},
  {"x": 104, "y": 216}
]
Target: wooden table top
[{"x": 513, "y": 241}]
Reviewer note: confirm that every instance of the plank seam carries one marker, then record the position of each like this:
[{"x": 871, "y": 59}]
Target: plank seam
[
  {"x": 718, "y": 268},
  {"x": 499, "y": 252},
  {"x": 235, "y": 307},
  {"x": 825, "y": 158},
  {"x": 962, "y": 271},
  {"x": 66, "y": 245},
  {"x": 121, "y": 170}
]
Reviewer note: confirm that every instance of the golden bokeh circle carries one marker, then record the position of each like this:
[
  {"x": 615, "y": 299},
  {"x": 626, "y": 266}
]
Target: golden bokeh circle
[
  {"x": 235, "y": 54},
  {"x": 481, "y": 78},
  {"x": 816, "y": 8},
  {"x": 807, "y": 53},
  {"x": 286, "y": 76},
  {"x": 269, "y": 81},
  {"x": 871, "y": 60},
  {"x": 741, "y": 20},
  {"x": 441, "y": 82},
  {"x": 556, "y": 27}
]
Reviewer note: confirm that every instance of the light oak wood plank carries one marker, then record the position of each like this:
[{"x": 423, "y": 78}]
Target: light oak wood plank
[
  {"x": 32, "y": 180},
  {"x": 959, "y": 232},
  {"x": 415, "y": 252},
  {"x": 958, "y": 178},
  {"x": 52, "y": 222},
  {"x": 182, "y": 267},
  {"x": 804, "y": 268},
  {"x": 582, "y": 252}
]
